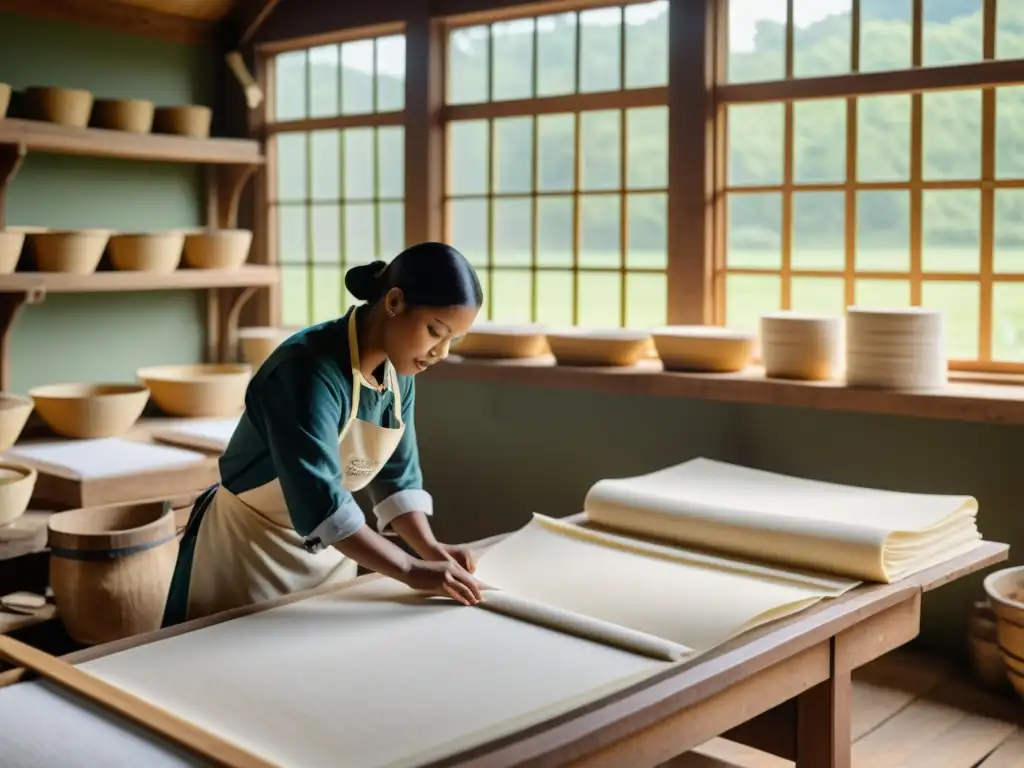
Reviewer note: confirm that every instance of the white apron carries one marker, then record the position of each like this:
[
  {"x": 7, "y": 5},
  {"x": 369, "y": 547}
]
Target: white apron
[{"x": 248, "y": 551}]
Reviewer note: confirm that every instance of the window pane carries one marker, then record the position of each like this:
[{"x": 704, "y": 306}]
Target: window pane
[
  {"x": 819, "y": 141},
  {"x": 327, "y": 234},
  {"x": 757, "y": 40},
  {"x": 328, "y": 290},
  {"x": 886, "y": 34},
  {"x": 513, "y": 154},
  {"x": 513, "y": 289},
  {"x": 292, "y": 162},
  {"x": 754, "y": 231},
  {"x": 292, "y": 234},
  {"x": 1008, "y": 322},
  {"x": 646, "y": 300},
  {"x": 819, "y": 295},
  {"x": 951, "y": 145},
  {"x": 601, "y": 141},
  {"x": 390, "y": 73},
  {"x": 290, "y": 86},
  {"x": 554, "y": 231},
  {"x": 821, "y": 37},
  {"x": 747, "y": 297},
  {"x": 326, "y": 164},
  {"x": 513, "y": 232},
  {"x": 1009, "y": 230},
  {"x": 391, "y": 161},
  {"x": 960, "y": 302},
  {"x": 554, "y": 298},
  {"x": 600, "y": 224},
  {"x": 392, "y": 229},
  {"x": 600, "y": 296},
  {"x": 359, "y": 159},
  {"x": 324, "y": 82},
  {"x": 360, "y": 233},
  {"x": 951, "y": 224},
  {"x": 647, "y": 230},
  {"x": 556, "y": 54},
  {"x": 952, "y": 32},
  {"x": 881, "y": 294},
  {"x": 469, "y": 64},
  {"x": 468, "y": 224},
  {"x": 818, "y": 230},
  {"x": 647, "y": 44},
  {"x": 883, "y": 138},
  {"x": 883, "y": 231},
  {"x": 468, "y": 153},
  {"x": 600, "y": 49},
  {"x": 513, "y": 60},
  {"x": 295, "y": 304},
  {"x": 357, "y": 60},
  {"x": 755, "y": 144},
  {"x": 647, "y": 147},
  {"x": 1009, "y": 118},
  {"x": 556, "y": 150}
]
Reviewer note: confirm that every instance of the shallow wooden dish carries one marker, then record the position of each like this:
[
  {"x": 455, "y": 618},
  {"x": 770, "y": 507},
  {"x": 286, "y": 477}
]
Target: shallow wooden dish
[
  {"x": 1005, "y": 590},
  {"x": 191, "y": 120},
  {"x": 74, "y": 251},
  {"x": 5, "y": 99},
  {"x": 11, "y": 243},
  {"x": 14, "y": 413},
  {"x": 256, "y": 343},
  {"x": 16, "y": 486},
  {"x": 122, "y": 588},
  {"x": 508, "y": 342},
  {"x": 82, "y": 410},
  {"x": 706, "y": 348},
  {"x": 612, "y": 347},
  {"x": 147, "y": 252},
  {"x": 217, "y": 248},
  {"x": 212, "y": 389},
  {"x": 131, "y": 115},
  {"x": 64, "y": 106}
]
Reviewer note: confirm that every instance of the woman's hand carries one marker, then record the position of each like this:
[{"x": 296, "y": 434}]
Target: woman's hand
[
  {"x": 461, "y": 555},
  {"x": 443, "y": 577}
]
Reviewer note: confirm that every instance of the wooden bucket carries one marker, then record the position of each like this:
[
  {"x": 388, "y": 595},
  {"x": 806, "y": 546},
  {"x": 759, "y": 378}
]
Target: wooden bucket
[{"x": 111, "y": 567}]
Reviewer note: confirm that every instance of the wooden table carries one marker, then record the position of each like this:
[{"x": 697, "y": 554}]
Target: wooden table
[{"x": 784, "y": 688}]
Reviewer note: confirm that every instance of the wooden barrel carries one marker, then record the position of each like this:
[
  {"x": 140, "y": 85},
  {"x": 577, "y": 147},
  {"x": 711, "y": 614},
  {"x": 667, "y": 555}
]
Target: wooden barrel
[{"x": 111, "y": 567}]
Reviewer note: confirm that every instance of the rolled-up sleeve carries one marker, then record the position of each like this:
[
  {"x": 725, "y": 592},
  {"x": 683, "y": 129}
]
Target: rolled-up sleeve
[
  {"x": 300, "y": 409},
  {"x": 398, "y": 487}
]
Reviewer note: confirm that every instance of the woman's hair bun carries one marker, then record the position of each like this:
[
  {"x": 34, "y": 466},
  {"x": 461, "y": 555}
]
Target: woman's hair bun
[{"x": 366, "y": 282}]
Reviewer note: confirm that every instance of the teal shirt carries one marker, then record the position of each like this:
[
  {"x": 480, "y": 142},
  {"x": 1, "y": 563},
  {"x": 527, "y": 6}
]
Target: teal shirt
[{"x": 295, "y": 407}]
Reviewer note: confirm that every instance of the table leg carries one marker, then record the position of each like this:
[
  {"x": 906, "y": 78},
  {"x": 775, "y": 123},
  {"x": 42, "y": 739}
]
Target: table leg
[{"x": 823, "y": 723}]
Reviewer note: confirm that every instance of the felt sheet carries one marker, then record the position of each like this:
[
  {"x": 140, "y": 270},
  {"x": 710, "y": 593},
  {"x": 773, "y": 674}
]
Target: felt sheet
[
  {"x": 366, "y": 677},
  {"x": 863, "y": 533}
]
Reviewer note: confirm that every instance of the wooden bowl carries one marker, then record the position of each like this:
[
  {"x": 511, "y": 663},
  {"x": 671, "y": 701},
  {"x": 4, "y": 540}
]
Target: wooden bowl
[
  {"x": 64, "y": 106},
  {"x": 257, "y": 343},
  {"x": 212, "y": 389},
  {"x": 706, "y": 348},
  {"x": 190, "y": 120},
  {"x": 14, "y": 413},
  {"x": 131, "y": 115},
  {"x": 508, "y": 342},
  {"x": 5, "y": 99},
  {"x": 1005, "y": 590},
  {"x": 611, "y": 347},
  {"x": 16, "y": 486},
  {"x": 147, "y": 252},
  {"x": 83, "y": 410},
  {"x": 801, "y": 346},
  {"x": 74, "y": 251},
  {"x": 11, "y": 243},
  {"x": 217, "y": 248}
]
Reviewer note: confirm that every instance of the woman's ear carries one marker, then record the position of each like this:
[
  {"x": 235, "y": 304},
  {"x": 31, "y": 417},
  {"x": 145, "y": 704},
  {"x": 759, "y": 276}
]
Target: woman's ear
[{"x": 394, "y": 302}]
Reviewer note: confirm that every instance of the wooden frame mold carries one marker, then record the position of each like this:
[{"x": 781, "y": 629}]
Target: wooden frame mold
[{"x": 785, "y": 687}]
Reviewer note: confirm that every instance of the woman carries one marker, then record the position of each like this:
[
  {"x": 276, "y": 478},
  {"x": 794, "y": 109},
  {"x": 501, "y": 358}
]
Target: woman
[{"x": 328, "y": 413}]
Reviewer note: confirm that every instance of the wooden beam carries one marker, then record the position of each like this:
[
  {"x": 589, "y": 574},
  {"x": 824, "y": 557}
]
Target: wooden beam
[{"x": 108, "y": 14}]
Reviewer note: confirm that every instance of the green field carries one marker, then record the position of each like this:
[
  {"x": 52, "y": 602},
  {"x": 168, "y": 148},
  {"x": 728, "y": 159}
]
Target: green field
[{"x": 317, "y": 293}]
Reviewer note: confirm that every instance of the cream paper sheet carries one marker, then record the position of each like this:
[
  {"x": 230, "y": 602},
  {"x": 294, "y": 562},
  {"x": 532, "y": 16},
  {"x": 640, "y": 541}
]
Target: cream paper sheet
[
  {"x": 692, "y": 600},
  {"x": 102, "y": 457},
  {"x": 206, "y": 434},
  {"x": 372, "y": 676},
  {"x": 863, "y": 533}
]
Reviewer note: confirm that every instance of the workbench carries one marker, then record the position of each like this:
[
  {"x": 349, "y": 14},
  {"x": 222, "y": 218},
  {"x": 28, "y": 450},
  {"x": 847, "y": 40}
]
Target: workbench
[{"x": 784, "y": 687}]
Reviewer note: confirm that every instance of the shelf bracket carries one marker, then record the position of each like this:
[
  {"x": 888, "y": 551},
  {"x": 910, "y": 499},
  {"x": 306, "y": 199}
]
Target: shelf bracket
[
  {"x": 226, "y": 183},
  {"x": 11, "y": 158},
  {"x": 223, "y": 309},
  {"x": 11, "y": 306}
]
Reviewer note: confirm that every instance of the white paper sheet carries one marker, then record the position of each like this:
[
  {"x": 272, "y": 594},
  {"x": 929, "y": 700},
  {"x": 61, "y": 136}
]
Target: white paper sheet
[
  {"x": 104, "y": 457},
  {"x": 207, "y": 434}
]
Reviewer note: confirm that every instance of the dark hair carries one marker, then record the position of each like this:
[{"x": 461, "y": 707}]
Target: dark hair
[{"x": 429, "y": 274}]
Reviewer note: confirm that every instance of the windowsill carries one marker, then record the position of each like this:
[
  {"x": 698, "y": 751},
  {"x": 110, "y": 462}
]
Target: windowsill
[{"x": 997, "y": 399}]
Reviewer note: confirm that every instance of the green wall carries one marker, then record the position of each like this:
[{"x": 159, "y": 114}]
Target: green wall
[
  {"x": 104, "y": 336},
  {"x": 493, "y": 454}
]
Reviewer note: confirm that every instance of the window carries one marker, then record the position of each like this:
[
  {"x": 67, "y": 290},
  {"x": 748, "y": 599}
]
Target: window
[
  {"x": 337, "y": 192},
  {"x": 875, "y": 197},
  {"x": 556, "y": 172}
]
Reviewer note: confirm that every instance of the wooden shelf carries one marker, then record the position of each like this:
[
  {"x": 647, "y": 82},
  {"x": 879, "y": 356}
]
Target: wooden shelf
[
  {"x": 40, "y": 136},
  {"x": 965, "y": 398},
  {"x": 113, "y": 281}
]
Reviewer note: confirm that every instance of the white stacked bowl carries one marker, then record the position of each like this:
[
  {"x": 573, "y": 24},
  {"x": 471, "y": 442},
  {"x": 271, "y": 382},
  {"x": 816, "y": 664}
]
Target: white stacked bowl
[
  {"x": 797, "y": 345},
  {"x": 901, "y": 348}
]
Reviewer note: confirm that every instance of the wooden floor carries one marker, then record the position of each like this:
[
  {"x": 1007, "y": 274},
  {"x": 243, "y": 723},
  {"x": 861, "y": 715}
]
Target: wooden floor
[{"x": 908, "y": 712}]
